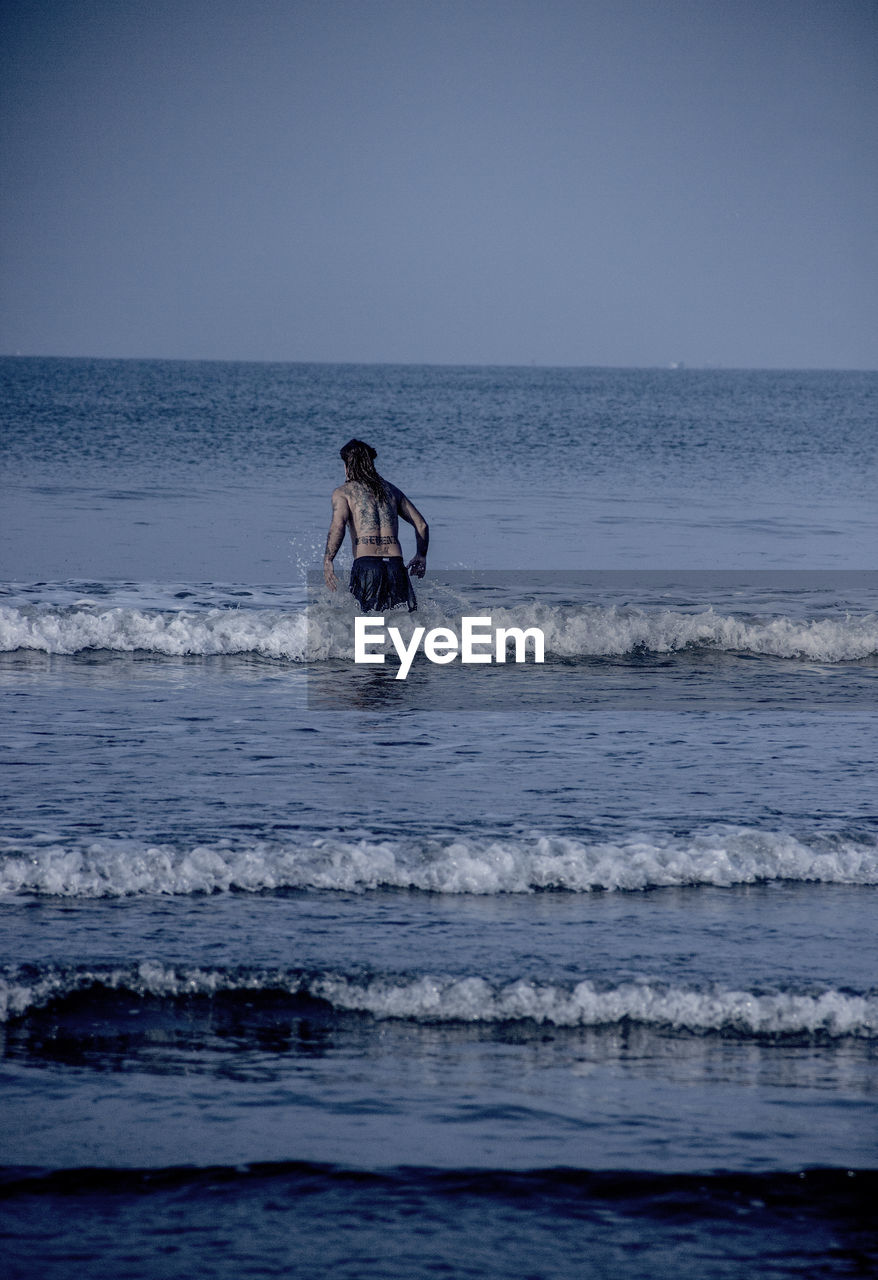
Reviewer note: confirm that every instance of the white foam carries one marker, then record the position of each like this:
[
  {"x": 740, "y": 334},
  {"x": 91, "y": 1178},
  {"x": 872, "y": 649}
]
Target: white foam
[
  {"x": 261, "y": 632},
  {"x": 327, "y": 632},
  {"x": 719, "y": 855},
  {"x": 616, "y": 632},
  {"x": 472, "y": 999}
]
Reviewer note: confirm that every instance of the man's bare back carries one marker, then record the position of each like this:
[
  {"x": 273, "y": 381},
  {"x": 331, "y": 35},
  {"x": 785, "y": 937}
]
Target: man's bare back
[{"x": 373, "y": 524}]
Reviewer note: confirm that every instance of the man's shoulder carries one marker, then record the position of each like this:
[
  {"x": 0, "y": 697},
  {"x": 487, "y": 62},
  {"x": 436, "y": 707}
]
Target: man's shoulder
[{"x": 341, "y": 504}]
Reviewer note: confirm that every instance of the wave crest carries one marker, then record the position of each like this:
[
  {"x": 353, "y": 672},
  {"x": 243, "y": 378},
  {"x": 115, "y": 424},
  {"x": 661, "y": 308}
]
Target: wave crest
[
  {"x": 473, "y": 999},
  {"x": 325, "y": 632},
  {"x": 719, "y": 856}
]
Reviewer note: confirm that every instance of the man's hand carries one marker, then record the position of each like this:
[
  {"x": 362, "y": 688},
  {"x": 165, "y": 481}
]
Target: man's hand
[
  {"x": 417, "y": 566},
  {"x": 329, "y": 574}
]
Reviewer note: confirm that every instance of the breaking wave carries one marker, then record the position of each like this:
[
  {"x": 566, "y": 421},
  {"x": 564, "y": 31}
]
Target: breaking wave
[
  {"x": 719, "y": 856},
  {"x": 470, "y": 999},
  {"x": 327, "y": 632}
]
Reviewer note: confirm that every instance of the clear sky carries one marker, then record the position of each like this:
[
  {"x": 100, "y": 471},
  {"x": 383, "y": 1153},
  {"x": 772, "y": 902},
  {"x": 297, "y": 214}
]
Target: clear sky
[{"x": 581, "y": 182}]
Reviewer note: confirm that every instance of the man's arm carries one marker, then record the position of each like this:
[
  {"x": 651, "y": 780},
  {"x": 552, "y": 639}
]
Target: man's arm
[
  {"x": 410, "y": 513},
  {"x": 341, "y": 513}
]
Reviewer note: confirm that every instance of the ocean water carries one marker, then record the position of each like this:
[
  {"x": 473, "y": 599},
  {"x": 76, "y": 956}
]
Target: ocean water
[{"x": 559, "y": 970}]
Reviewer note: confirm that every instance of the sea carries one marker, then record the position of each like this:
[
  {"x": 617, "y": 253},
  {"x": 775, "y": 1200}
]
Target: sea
[{"x": 505, "y": 969}]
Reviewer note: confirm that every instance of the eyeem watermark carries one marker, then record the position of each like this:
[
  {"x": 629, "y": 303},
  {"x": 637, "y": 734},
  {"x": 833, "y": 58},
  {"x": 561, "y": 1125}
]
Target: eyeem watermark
[{"x": 478, "y": 642}]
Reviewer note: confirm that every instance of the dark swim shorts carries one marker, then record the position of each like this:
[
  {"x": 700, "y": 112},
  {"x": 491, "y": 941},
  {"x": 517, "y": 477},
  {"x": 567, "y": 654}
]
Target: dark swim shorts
[{"x": 378, "y": 583}]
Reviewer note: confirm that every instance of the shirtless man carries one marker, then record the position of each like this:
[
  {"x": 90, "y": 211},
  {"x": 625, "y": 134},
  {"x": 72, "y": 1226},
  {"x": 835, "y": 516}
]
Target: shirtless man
[{"x": 370, "y": 507}]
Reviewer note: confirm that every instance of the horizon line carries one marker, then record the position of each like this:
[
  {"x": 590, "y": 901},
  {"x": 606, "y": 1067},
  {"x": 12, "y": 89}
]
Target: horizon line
[{"x": 675, "y": 366}]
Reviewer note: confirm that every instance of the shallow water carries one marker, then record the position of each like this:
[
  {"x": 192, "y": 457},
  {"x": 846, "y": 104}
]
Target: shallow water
[{"x": 422, "y": 943}]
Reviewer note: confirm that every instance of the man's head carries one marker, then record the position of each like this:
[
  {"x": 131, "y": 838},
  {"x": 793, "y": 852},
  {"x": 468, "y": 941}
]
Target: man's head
[
  {"x": 358, "y": 458},
  {"x": 358, "y": 453}
]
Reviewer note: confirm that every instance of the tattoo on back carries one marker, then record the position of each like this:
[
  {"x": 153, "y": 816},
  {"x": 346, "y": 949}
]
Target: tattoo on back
[{"x": 371, "y": 513}]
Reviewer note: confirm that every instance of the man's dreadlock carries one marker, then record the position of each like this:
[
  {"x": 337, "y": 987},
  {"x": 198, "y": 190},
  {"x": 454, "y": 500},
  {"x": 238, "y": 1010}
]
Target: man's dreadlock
[{"x": 358, "y": 458}]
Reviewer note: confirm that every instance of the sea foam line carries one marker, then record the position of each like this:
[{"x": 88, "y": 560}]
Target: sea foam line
[
  {"x": 473, "y": 999},
  {"x": 327, "y": 633},
  {"x": 167, "y": 633},
  {"x": 720, "y": 856}
]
